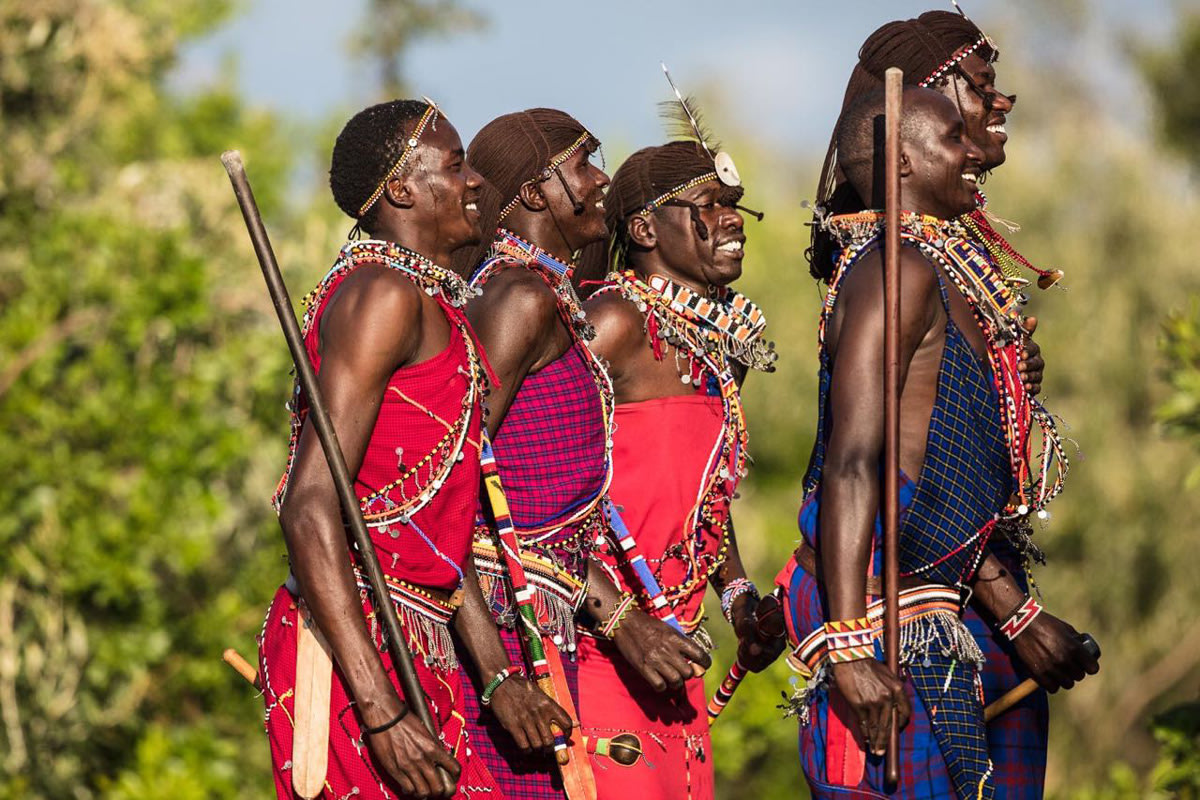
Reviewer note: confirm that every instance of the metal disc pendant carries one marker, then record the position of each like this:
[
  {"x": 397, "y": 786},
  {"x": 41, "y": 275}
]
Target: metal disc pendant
[{"x": 726, "y": 170}]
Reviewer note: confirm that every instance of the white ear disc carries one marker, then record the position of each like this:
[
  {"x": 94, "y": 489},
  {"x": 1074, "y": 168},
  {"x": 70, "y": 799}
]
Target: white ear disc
[{"x": 726, "y": 171}]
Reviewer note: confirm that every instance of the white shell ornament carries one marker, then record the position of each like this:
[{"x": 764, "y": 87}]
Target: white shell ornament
[{"x": 726, "y": 170}]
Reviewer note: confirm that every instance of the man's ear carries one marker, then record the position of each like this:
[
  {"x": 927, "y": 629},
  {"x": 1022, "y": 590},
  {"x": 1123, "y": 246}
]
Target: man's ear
[
  {"x": 531, "y": 196},
  {"x": 399, "y": 192},
  {"x": 641, "y": 231},
  {"x": 906, "y": 167}
]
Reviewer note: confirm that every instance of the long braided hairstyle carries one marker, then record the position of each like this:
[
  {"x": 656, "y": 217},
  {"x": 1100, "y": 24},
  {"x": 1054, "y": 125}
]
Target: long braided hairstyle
[{"x": 919, "y": 47}]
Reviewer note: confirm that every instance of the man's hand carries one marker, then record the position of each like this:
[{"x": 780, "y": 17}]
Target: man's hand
[
  {"x": 409, "y": 755},
  {"x": 758, "y": 644},
  {"x": 660, "y": 654},
  {"x": 872, "y": 692},
  {"x": 526, "y": 713},
  {"x": 1031, "y": 364},
  {"x": 1050, "y": 649}
]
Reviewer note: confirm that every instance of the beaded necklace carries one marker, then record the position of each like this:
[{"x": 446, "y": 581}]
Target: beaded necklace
[
  {"x": 673, "y": 317},
  {"x": 997, "y": 312},
  {"x": 1002, "y": 253},
  {"x": 508, "y": 247},
  {"x": 397, "y": 502}
]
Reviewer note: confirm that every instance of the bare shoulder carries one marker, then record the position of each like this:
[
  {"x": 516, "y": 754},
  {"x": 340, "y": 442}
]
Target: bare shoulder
[
  {"x": 377, "y": 310},
  {"x": 618, "y": 323},
  {"x": 520, "y": 293},
  {"x": 918, "y": 277}
]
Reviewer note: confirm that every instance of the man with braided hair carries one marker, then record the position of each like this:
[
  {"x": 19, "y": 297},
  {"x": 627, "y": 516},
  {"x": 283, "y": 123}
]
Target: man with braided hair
[
  {"x": 947, "y": 52},
  {"x": 402, "y": 378},
  {"x": 958, "y": 375},
  {"x": 677, "y": 341},
  {"x": 549, "y": 417}
]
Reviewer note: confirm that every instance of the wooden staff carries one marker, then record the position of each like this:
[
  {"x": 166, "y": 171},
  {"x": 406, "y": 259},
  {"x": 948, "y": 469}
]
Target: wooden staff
[
  {"x": 894, "y": 92},
  {"x": 401, "y": 657}
]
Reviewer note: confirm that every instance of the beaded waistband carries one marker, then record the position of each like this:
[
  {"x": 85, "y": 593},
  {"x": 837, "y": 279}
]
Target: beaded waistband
[
  {"x": 928, "y": 615},
  {"x": 557, "y": 593},
  {"x": 425, "y": 619}
]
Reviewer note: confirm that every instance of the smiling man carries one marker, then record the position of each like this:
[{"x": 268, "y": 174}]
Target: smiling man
[
  {"x": 550, "y": 419},
  {"x": 947, "y": 52},
  {"x": 403, "y": 381},
  {"x": 956, "y": 481},
  {"x": 678, "y": 341}
]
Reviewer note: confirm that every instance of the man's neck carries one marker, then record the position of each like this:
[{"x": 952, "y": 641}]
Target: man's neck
[
  {"x": 417, "y": 239},
  {"x": 539, "y": 229},
  {"x": 651, "y": 264}
]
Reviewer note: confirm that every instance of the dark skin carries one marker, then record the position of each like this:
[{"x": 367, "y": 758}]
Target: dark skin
[
  {"x": 517, "y": 321},
  {"x": 666, "y": 243},
  {"x": 376, "y": 323},
  {"x": 932, "y": 166}
]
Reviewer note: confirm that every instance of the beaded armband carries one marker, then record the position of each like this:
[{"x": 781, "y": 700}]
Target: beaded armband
[
  {"x": 733, "y": 590},
  {"x": 848, "y": 640},
  {"x": 1021, "y": 619},
  {"x": 494, "y": 683},
  {"x": 617, "y": 616}
]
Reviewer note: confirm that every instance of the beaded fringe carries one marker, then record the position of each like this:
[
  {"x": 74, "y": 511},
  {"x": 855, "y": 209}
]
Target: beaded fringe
[
  {"x": 556, "y": 616},
  {"x": 432, "y": 638},
  {"x": 938, "y": 631}
]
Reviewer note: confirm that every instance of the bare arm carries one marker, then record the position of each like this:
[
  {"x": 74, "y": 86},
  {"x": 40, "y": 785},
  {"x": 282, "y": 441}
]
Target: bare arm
[
  {"x": 524, "y": 711},
  {"x": 371, "y": 328},
  {"x": 850, "y": 483}
]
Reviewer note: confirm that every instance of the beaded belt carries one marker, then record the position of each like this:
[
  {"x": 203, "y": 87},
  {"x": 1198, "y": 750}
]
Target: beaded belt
[
  {"x": 557, "y": 593},
  {"x": 424, "y": 618},
  {"x": 929, "y": 615}
]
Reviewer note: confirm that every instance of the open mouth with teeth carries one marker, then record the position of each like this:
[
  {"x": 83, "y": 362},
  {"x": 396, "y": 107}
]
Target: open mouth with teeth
[
  {"x": 734, "y": 247},
  {"x": 971, "y": 178},
  {"x": 997, "y": 129}
]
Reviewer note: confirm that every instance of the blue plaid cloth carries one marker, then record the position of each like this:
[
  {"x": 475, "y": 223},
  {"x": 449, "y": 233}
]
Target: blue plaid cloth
[{"x": 965, "y": 480}]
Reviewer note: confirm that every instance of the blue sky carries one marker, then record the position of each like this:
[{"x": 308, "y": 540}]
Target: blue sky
[{"x": 780, "y": 65}]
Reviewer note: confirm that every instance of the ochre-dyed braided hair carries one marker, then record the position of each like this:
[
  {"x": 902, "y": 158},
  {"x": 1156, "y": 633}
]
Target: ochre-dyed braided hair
[
  {"x": 508, "y": 152},
  {"x": 645, "y": 176},
  {"x": 919, "y": 47}
]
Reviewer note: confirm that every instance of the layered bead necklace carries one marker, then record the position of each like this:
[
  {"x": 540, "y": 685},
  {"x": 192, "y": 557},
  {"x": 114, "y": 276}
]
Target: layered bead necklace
[
  {"x": 709, "y": 333},
  {"x": 996, "y": 306}
]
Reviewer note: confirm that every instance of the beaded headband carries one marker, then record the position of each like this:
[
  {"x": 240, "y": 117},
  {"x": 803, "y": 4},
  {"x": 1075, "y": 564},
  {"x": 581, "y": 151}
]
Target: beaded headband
[
  {"x": 957, "y": 57},
  {"x": 430, "y": 114},
  {"x": 548, "y": 170},
  {"x": 678, "y": 190}
]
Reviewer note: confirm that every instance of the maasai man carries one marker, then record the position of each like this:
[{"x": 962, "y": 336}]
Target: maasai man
[
  {"x": 957, "y": 374},
  {"x": 403, "y": 378},
  {"x": 549, "y": 416},
  {"x": 677, "y": 342},
  {"x": 947, "y": 52}
]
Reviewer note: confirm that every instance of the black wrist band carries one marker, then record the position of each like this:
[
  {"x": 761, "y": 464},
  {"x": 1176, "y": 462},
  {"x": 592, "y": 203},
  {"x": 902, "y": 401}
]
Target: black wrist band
[{"x": 390, "y": 723}]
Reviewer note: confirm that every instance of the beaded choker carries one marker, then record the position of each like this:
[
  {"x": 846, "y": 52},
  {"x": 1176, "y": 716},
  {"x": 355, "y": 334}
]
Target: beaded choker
[
  {"x": 997, "y": 312},
  {"x": 509, "y": 245}
]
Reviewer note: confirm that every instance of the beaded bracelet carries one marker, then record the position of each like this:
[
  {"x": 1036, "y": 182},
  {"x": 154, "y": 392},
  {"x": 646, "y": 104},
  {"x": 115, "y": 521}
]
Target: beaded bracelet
[
  {"x": 494, "y": 683},
  {"x": 733, "y": 590},
  {"x": 618, "y": 614},
  {"x": 848, "y": 640},
  {"x": 365, "y": 731},
  {"x": 1021, "y": 618}
]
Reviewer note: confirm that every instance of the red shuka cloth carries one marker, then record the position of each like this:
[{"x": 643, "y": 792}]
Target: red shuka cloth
[
  {"x": 439, "y": 384},
  {"x": 661, "y": 452}
]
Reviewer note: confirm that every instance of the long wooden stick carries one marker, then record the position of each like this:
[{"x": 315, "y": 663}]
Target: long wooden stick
[
  {"x": 397, "y": 647},
  {"x": 894, "y": 89}
]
